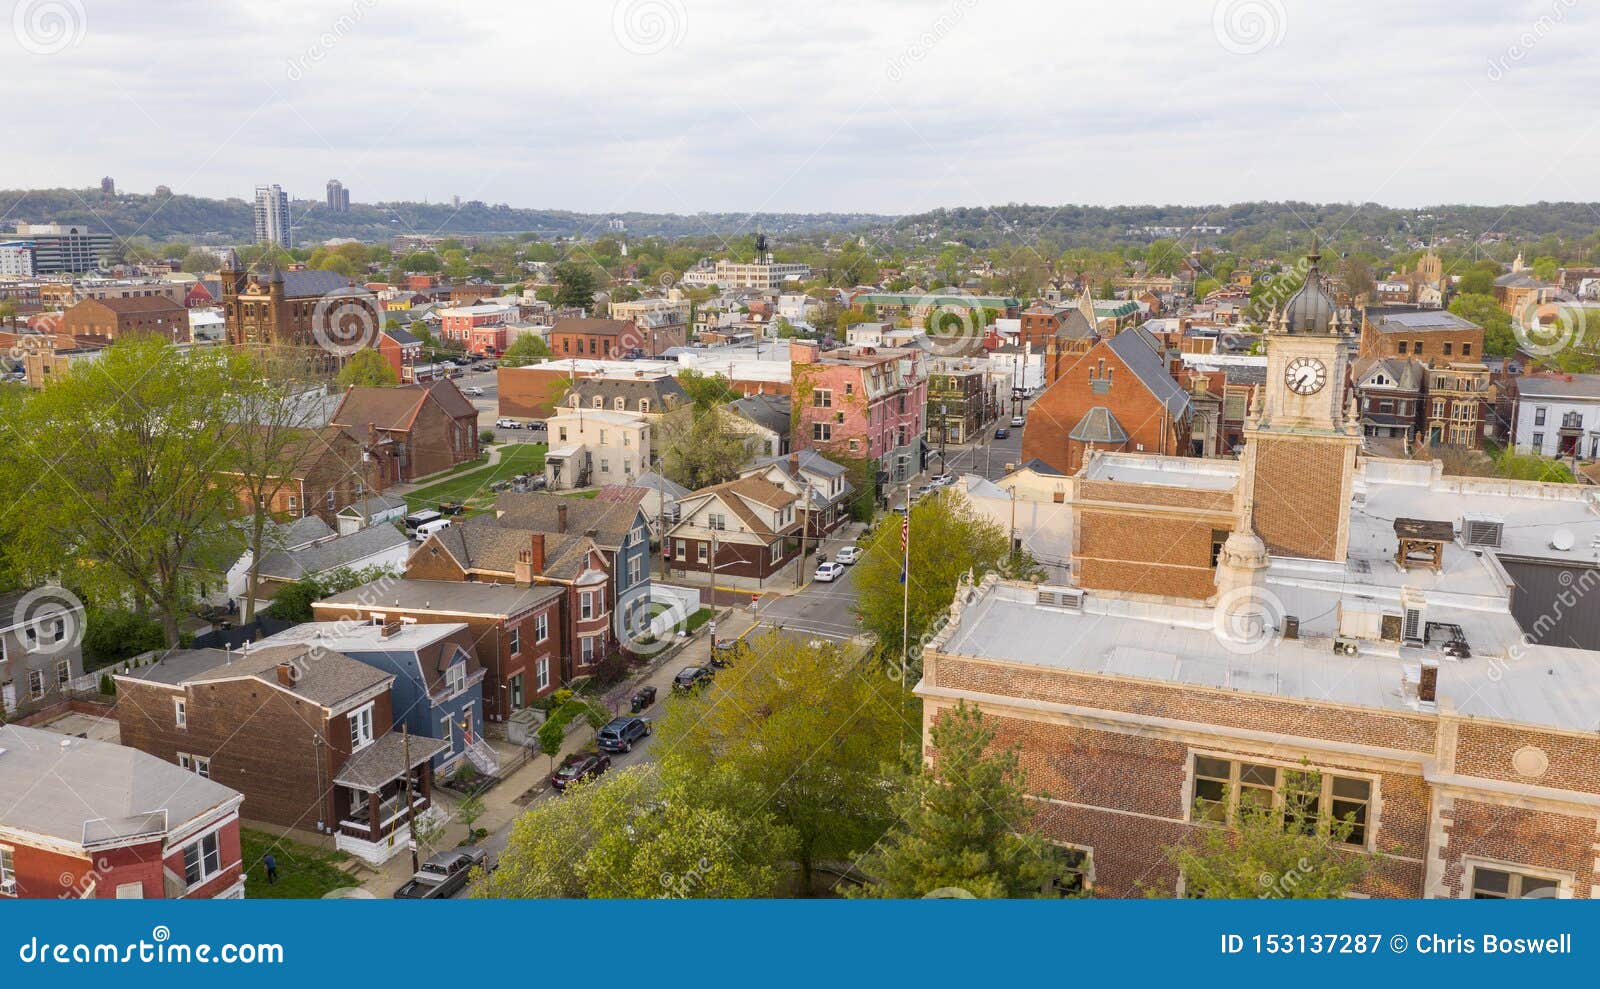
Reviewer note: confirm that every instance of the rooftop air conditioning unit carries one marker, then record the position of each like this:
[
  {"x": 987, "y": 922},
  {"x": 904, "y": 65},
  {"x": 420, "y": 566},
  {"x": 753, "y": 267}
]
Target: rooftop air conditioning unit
[
  {"x": 1482, "y": 531},
  {"x": 1070, "y": 598}
]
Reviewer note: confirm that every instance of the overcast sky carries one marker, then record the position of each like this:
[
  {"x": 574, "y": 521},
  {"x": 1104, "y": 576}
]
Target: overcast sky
[{"x": 857, "y": 105}]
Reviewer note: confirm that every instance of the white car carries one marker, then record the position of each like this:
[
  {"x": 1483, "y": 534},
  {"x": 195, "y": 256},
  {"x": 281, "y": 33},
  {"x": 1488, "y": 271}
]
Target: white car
[
  {"x": 847, "y": 555},
  {"x": 942, "y": 480},
  {"x": 475, "y": 391},
  {"x": 1018, "y": 421},
  {"x": 508, "y": 424},
  {"x": 828, "y": 572}
]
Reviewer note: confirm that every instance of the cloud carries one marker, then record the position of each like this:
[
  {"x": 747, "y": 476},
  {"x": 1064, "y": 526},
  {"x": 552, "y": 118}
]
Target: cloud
[{"x": 876, "y": 105}]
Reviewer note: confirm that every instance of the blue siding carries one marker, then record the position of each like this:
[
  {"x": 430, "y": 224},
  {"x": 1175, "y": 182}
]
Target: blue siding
[{"x": 418, "y": 711}]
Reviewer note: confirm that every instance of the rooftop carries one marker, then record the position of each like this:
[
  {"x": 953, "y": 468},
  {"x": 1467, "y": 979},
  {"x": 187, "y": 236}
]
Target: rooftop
[
  {"x": 1177, "y": 472},
  {"x": 449, "y": 597}
]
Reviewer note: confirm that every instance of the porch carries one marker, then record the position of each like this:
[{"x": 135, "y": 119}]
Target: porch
[{"x": 385, "y": 784}]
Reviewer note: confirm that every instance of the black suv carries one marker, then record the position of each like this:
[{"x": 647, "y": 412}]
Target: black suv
[
  {"x": 620, "y": 734},
  {"x": 691, "y": 677}
]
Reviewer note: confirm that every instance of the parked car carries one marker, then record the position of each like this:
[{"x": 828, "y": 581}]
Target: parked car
[
  {"x": 942, "y": 480},
  {"x": 443, "y": 875},
  {"x": 474, "y": 391},
  {"x": 1017, "y": 422},
  {"x": 848, "y": 554},
  {"x": 421, "y": 517},
  {"x": 923, "y": 490},
  {"x": 451, "y": 508},
  {"x": 580, "y": 766},
  {"x": 427, "y": 529},
  {"x": 1002, "y": 433},
  {"x": 505, "y": 423},
  {"x": 691, "y": 677},
  {"x": 620, "y": 734},
  {"x": 828, "y": 572},
  {"x": 642, "y": 698}
]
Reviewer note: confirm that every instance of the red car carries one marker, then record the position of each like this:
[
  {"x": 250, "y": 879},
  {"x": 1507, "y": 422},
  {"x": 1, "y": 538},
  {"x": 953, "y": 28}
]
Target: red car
[{"x": 582, "y": 766}]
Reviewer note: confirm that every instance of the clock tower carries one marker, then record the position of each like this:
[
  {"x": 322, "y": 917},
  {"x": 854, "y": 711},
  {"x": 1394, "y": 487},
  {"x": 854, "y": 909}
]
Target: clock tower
[{"x": 1301, "y": 439}]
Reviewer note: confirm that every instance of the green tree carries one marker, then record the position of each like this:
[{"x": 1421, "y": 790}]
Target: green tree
[
  {"x": 1499, "y": 339},
  {"x": 1479, "y": 278},
  {"x": 114, "y": 466},
  {"x": 576, "y": 284},
  {"x": 197, "y": 261},
  {"x": 1273, "y": 853},
  {"x": 111, "y": 635},
  {"x": 948, "y": 540},
  {"x": 368, "y": 369},
  {"x": 293, "y": 601},
  {"x": 701, "y": 447},
  {"x": 816, "y": 756},
  {"x": 525, "y": 349},
  {"x": 963, "y": 824}
]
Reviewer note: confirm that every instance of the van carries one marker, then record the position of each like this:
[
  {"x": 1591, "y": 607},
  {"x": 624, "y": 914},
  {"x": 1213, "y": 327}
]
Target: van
[
  {"x": 427, "y": 529},
  {"x": 421, "y": 517}
]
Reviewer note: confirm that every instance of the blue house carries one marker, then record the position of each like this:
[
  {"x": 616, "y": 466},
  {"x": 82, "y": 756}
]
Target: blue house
[
  {"x": 617, "y": 523},
  {"x": 438, "y": 682}
]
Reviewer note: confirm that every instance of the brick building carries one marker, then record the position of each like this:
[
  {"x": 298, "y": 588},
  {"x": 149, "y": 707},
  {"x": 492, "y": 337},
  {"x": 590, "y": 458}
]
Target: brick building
[
  {"x": 1120, "y": 395},
  {"x": 104, "y": 821},
  {"x": 1433, "y": 336},
  {"x": 861, "y": 403},
  {"x": 303, "y": 732},
  {"x": 108, "y": 320},
  {"x": 961, "y": 402},
  {"x": 742, "y": 532},
  {"x": 1366, "y": 641},
  {"x": 403, "y": 352},
  {"x": 614, "y": 338},
  {"x": 481, "y": 329},
  {"x": 410, "y": 431},
  {"x": 320, "y": 310}
]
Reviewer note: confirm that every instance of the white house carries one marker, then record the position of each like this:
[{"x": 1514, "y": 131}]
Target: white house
[
  {"x": 591, "y": 447},
  {"x": 1558, "y": 415},
  {"x": 1029, "y": 505}
]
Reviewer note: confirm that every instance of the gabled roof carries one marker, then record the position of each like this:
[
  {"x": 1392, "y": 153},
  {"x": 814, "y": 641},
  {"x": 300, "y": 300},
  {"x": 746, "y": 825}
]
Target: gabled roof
[
  {"x": 449, "y": 597},
  {"x": 397, "y": 408},
  {"x": 770, "y": 412},
  {"x": 1406, "y": 374},
  {"x": 541, "y": 512},
  {"x": 1143, "y": 354},
  {"x": 402, "y": 337},
  {"x": 810, "y": 461},
  {"x": 136, "y": 304},
  {"x": 492, "y": 545},
  {"x": 1038, "y": 466},
  {"x": 326, "y": 677},
  {"x": 88, "y": 792},
  {"x": 332, "y": 554},
  {"x": 1098, "y": 425},
  {"x": 665, "y": 486}
]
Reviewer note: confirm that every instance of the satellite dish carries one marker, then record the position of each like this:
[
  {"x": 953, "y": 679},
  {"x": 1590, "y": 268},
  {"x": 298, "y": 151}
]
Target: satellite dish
[{"x": 1562, "y": 540}]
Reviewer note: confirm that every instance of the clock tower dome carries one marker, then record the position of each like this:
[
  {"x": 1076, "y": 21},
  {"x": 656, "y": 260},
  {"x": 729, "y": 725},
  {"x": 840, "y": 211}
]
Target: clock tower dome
[{"x": 1301, "y": 439}]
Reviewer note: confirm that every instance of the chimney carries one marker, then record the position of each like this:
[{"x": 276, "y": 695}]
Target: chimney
[
  {"x": 530, "y": 561},
  {"x": 561, "y": 517},
  {"x": 1428, "y": 684},
  {"x": 286, "y": 674},
  {"x": 794, "y": 463}
]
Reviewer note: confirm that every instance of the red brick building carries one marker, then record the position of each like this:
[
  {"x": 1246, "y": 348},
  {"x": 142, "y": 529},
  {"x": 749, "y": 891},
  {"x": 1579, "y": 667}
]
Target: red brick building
[
  {"x": 413, "y": 430},
  {"x": 108, "y": 320},
  {"x": 613, "y": 338},
  {"x": 1433, "y": 336},
  {"x": 1119, "y": 395},
  {"x": 747, "y": 530},
  {"x": 104, "y": 821},
  {"x": 403, "y": 351}
]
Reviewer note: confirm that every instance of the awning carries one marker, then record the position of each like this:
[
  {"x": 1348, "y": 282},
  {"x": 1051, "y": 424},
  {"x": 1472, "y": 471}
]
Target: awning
[{"x": 384, "y": 761}]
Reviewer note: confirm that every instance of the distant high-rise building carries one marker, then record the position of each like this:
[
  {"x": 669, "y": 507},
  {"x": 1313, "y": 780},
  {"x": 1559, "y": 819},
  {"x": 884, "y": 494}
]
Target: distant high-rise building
[
  {"x": 61, "y": 248},
  {"x": 108, "y": 186},
  {"x": 272, "y": 215},
  {"x": 338, "y": 197}
]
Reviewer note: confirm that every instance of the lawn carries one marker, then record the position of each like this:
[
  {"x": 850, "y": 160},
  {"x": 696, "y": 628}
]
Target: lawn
[
  {"x": 304, "y": 873},
  {"x": 472, "y": 486}
]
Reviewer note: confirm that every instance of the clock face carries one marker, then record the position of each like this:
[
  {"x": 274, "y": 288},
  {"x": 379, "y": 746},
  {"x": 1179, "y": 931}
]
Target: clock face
[{"x": 1305, "y": 375}]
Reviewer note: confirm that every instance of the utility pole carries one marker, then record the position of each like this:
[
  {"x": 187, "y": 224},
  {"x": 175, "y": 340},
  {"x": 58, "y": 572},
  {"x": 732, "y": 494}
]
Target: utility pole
[
  {"x": 805, "y": 528},
  {"x": 411, "y": 812},
  {"x": 905, "y": 585},
  {"x": 711, "y": 573}
]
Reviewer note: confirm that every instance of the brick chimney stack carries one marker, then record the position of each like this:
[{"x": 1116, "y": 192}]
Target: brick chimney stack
[
  {"x": 530, "y": 561},
  {"x": 286, "y": 674},
  {"x": 1428, "y": 684},
  {"x": 561, "y": 517}
]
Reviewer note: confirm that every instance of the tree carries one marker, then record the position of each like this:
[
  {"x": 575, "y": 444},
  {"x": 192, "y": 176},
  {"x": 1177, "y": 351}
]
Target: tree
[
  {"x": 963, "y": 824},
  {"x": 367, "y": 368},
  {"x": 1273, "y": 853},
  {"x": 1499, "y": 339},
  {"x": 948, "y": 540},
  {"x": 699, "y": 448},
  {"x": 196, "y": 261},
  {"x": 1479, "y": 279},
  {"x": 803, "y": 732},
  {"x": 525, "y": 349},
  {"x": 114, "y": 466},
  {"x": 633, "y": 833},
  {"x": 293, "y": 601},
  {"x": 576, "y": 284},
  {"x": 111, "y": 635}
]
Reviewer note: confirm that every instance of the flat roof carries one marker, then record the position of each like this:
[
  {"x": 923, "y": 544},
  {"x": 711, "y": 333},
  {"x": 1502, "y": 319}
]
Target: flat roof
[{"x": 1173, "y": 472}]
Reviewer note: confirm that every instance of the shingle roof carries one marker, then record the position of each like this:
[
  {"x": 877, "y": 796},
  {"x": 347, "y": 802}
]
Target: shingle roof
[
  {"x": 810, "y": 460},
  {"x": 1098, "y": 425},
  {"x": 1560, "y": 385},
  {"x": 401, "y": 336},
  {"x": 326, "y": 677},
  {"x": 85, "y": 792},
  {"x": 139, "y": 304},
  {"x": 332, "y": 554},
  {"x": 604, "y": 327},
  {"x": 1142, "y": 353},
  {"x": 663, "y": 390},
  {"x": 453, "y": 597},
  {"x": 385, "y": 760},
  {"x": 540, "y": 512},
  {"x": 767, "y": 411},
  {"x": 492, "y": 545},
  {"x": 304, "y": 284}
]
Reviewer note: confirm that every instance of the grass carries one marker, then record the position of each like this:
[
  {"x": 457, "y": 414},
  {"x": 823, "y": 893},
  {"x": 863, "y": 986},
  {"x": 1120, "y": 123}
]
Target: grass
[
  {"x": 472, "y": 486},
  {"x": 581, "y": 494},
  {"x": 698, "y": 619},
  {"x": 304, "y": 873}
]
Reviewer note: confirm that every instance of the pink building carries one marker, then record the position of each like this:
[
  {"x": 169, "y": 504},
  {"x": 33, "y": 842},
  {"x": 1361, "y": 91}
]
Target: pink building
[{"x": 861, "y": 402}]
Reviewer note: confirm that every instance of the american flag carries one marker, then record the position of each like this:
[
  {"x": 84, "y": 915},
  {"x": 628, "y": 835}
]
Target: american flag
[{"x": 905, "y": 532}]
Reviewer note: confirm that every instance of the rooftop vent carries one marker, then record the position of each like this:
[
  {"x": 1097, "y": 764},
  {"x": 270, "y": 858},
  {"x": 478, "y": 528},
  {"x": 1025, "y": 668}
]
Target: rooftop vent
[
  {"x": 1482, "y": 531},
  {"x": 1070, "y": 598}
]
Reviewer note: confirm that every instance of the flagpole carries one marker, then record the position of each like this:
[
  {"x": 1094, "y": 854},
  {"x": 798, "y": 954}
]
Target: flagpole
[{"x": 905, "y": 586}]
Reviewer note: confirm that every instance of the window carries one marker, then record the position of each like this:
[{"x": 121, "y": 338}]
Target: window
[
  {"x": 1466, "y": 350},
  {"x": 63, "y": 672},
  {"x": 822, "y": 398},
  {"x": 683, "y": 552},
  {"x": 605, "y": 465},
  {"x": 822, "y": 431},
  {"x": 588, "y": 650},
  {"x": 541, "y": 628},
  {"x": 598, "y": 401},
  {"x": 1448, "y": 347},
  {"x": 700, "y": 553},
  {"x": 716, "y": 520},
  {"x": 777, "y": 551},
  {"x": 1072, "y": 871},
  {"x": 197, "y": 764},
  {"x": 514, "y": 642},
  {"x": 360, "y": 728},
  {"x": 1310, "y": 801},
  {"x": 8, "y": 871},
  {"x": 35, "y": 684},
  {"x": 1538, "y": 441},
  {"x": 644, "y": 405},
  {"x": 1402, "y": 346},
  {"x": 455, "y": 678},
  {"x": 1538, "y": 416},
  {"x": 635, "y": 569},
  {"x": 1417, "y": 348},
  {"x": 1504, "y": 884},
  {"x": 180, "y": 712},
  {"x": 617, "y": 403},
  {"x": 202, "y": 860},
  {"x": 541, "y": 672},
  {"x": 585, "y": 606}
]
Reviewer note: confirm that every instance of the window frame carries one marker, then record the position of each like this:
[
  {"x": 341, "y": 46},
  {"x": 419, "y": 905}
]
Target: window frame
[
  {"x": 1237, "y": 788},
  {"x": 362, "y": 733}
]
